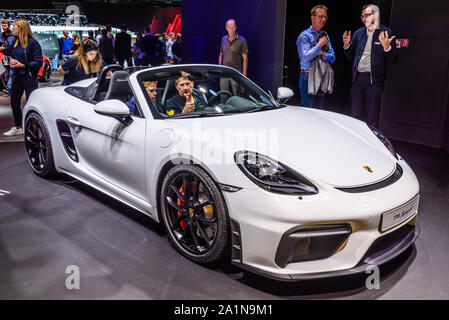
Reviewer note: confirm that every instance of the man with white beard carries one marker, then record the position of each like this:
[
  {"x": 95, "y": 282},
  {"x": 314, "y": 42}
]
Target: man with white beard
[{"x": 370, "y": 51}]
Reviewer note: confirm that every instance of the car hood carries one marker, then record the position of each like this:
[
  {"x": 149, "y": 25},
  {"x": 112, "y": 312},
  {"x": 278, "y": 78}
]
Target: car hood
[{"x": 319, "y": 145}]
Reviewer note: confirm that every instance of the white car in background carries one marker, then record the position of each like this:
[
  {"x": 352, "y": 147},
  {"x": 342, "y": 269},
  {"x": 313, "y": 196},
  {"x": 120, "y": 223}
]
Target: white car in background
[{"x": 318, "y": 194}]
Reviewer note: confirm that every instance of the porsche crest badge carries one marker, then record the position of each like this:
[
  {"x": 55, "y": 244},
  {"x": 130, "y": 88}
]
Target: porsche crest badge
[{"x": 368, "y": 169}]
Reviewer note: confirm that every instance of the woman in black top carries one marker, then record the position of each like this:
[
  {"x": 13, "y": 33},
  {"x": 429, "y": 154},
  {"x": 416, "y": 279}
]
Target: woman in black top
[
  {"x": 106, "y": 47},
  {"x": 26, "y": 60},
  {"x": 85, "y": 63}
]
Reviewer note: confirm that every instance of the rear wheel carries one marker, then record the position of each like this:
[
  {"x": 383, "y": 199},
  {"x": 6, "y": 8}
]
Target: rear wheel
[
  {"x": 194, "y": 214},
  {"x": 38, "y": 146}
]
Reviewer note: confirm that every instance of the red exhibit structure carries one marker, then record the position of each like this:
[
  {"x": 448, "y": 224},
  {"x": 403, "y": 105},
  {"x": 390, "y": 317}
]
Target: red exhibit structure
[
  {"x": 175, "y": 26},
  {"x": 157, "y": 24}
]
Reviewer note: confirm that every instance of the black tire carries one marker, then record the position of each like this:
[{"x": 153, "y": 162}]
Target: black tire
[
  {"x": 4, "y": 77},
  {"x": 205, "y": 236},
  {"x": 46, "y": 72},
  {"x": 38, "y": 146}
]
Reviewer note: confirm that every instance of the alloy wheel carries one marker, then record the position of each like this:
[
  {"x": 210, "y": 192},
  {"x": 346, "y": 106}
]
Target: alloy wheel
[{"x": 191, "y": 213}]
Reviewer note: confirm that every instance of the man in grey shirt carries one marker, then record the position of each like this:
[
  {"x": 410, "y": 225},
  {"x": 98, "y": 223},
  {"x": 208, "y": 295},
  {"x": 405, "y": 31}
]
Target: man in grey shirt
[{"x": 234, "y": 54}]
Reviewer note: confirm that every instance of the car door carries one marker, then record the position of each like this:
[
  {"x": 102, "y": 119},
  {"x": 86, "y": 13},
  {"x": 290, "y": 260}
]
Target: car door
[{"x": 109, "y": 150}]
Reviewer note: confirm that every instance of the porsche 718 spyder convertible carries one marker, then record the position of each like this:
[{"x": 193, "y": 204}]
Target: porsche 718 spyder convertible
[{"x": 232, "y": 172}]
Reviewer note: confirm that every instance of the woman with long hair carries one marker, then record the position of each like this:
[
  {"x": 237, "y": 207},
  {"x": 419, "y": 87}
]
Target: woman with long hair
[
  {"x": 26, "y": 60},
  {"x": 75, "y": 44},
  {"x": 85, "y": 63}
]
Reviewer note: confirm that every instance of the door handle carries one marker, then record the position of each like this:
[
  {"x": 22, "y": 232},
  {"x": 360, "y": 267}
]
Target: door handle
[{"x": 75, "y": 123}]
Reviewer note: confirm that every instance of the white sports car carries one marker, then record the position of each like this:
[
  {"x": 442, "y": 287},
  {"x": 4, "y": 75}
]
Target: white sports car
[{"x": 287, "y": 192}]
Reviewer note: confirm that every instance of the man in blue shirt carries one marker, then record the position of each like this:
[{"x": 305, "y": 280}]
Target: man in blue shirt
[
  {"x": 311, "y": 43},
  {"x": 65, "y": 43}
]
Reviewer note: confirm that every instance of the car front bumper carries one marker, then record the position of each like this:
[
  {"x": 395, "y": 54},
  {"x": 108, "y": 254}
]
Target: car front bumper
[
  {"x": 261, "y": 220},
  {"x": 405, "y": 237}
]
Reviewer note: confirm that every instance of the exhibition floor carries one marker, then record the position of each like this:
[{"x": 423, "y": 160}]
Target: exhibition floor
[{"x": 48, "y": 225}]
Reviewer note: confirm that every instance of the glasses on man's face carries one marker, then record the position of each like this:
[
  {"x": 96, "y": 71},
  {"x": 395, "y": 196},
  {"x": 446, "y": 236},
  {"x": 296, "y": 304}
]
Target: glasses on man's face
[
  {"x": 364, "y": 16},
  {"x": 321, "y": 17}
]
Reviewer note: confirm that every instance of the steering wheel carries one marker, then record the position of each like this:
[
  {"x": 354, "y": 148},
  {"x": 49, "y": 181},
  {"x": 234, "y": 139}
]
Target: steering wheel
[{"x": 212, "y": 100}]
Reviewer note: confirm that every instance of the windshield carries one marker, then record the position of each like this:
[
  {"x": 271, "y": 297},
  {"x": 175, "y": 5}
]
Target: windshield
[{"x": 193, "y": 91}]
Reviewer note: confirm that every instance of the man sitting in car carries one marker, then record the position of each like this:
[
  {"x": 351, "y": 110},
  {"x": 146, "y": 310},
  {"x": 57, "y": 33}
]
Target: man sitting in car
[
  {"x": 151, "y": 88},
  {"x": 186, "y": 100}
]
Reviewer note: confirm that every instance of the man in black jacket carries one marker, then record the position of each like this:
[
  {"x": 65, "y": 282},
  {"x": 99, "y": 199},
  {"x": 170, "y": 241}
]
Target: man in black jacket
[
  {"x": 106, "y": 47},
  {"x": 177, "y": 49},
  {"x": 123, "y": 47},
  {"x": 185, "y": 101},
  {"x": 148, "y": 46},
  {"x": 370, "y": 51}
]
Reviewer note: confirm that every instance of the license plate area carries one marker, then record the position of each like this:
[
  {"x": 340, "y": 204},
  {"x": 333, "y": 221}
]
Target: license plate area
[{"x": 394, "y": 217}]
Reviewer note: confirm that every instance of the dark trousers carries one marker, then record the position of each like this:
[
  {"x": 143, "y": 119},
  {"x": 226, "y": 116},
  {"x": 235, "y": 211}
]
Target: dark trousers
[
  {"x": 148, "y": 60},
  {"x": 19, "y": 85},
  {"x": 121, "y": 61},
  {"x": 366, "y": 98},
  {"x": 309, "y": 100},
  {"x": 108, "y": 60},
  {"x": 137, "y": 62}
]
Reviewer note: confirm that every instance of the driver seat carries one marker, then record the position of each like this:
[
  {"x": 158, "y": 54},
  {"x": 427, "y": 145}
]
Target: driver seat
[{"x": 119, "y": 87}]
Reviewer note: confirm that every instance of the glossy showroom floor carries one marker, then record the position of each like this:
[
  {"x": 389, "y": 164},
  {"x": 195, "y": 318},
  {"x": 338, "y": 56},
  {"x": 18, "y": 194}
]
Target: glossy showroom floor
[{"x": 47, "y": 225}]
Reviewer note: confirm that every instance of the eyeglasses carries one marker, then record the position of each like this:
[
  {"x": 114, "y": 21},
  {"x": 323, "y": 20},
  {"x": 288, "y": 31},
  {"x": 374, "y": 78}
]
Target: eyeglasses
[
  {"x": 364, "y": 16},
  {"x": 321, "y": 17}
]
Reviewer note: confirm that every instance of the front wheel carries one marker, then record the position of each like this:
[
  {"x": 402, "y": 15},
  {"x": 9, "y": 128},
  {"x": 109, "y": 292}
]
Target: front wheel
[{"x": 194, "y": 214}]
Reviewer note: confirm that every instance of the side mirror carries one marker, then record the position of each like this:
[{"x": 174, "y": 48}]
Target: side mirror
[
  {"x": 284, "y": 93},
  {"x": 116, "y": 109}
]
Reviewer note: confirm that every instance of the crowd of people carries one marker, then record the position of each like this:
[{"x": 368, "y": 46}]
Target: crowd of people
[
  {"x": 147, "y": 50},
  {"x": 369, "y": 50},
  {"x": 157, "y": 49}
]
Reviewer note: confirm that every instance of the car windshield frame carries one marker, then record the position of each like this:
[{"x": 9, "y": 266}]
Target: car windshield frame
[{"x": 205, "y": 72}]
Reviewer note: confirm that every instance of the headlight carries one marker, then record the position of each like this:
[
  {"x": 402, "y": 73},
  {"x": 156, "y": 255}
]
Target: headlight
[
  {"x": 385, "y": 141},
  {"x": 271, "y": 175}
]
